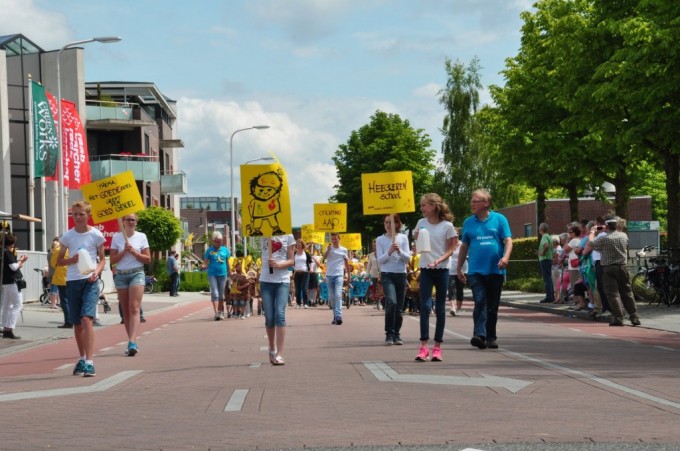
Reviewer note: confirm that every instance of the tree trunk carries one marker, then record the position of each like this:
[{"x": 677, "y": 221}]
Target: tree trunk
[
  {"x": 672, "y": 167},
  {"x": 622, "y": 196},
  {"x": 573, "y": 201},
  {"x": 540, "y": 207}
]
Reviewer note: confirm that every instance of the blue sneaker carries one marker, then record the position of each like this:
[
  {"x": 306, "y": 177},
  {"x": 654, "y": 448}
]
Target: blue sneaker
[
  {"x": 132, "y": 349},
  {"x": 88, "y": 370},
  {"x": 80, "y": 368}
]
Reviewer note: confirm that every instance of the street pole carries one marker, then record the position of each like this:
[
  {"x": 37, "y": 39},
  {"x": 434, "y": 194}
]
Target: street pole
[
  {"x": 62, "y": 209},
  {"x": 231, "y": 182}
]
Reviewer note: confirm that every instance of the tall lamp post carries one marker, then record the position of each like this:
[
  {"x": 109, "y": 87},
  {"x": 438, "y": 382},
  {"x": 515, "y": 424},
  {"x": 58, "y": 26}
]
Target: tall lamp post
[
  {"x": 231, "y": 182},
  {"x": 245, "y": 245},
  {"x": 63, "y": 191}
]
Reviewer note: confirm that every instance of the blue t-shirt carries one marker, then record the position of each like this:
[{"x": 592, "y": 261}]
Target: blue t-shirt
[
  {"x": 218, "y": 260},
  {"x": 484, "y": 240}
]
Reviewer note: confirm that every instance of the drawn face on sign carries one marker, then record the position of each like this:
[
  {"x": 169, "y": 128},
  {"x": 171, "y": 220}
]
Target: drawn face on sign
[{"x": 265, "y": 186}]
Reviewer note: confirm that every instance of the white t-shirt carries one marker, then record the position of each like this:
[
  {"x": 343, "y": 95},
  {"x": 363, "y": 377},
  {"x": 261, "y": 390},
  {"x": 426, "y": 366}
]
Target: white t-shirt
[
  {"x": 453, "y": 261},
  {"x": 397, "y": 261},
  {"x": 335, "y": 262},
  {"x": 280, "y": 245},
  {"x": 300, "y": 261},
  {"x": 439, "y": 234},
  {"x": 138, "y": 242},
  {"x": 573, "y": 244},
  {"x": 74, "y": 241}
]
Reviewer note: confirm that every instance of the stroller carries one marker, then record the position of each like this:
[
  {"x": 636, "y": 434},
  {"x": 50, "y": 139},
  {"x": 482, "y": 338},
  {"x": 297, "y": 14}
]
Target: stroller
[{"x": 45, "y": 295}]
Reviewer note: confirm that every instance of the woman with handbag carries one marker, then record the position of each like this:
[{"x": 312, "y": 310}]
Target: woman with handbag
[{"x": 12, "y": 283}]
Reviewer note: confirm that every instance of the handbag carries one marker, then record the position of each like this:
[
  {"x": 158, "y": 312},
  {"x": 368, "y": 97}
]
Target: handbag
[
  {"x": 21, "y": 284},
  {"x": 574, "y": 262}
]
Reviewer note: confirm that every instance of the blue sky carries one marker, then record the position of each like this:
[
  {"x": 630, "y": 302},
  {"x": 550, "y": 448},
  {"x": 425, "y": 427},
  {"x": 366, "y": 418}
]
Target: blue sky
[{"x": 313, "y": 70}]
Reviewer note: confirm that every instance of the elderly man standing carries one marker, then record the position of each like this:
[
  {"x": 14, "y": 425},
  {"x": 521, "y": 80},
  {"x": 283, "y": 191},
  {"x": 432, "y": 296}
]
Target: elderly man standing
[
  {"x": 613, "y": 250},
  {"x": 545, "y": 257},
  {"x": 486, "y": 234}
]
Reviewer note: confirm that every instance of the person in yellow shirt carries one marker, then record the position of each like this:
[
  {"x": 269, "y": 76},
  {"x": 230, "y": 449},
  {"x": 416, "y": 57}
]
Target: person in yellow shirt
[{"x": 59, "y": 280}]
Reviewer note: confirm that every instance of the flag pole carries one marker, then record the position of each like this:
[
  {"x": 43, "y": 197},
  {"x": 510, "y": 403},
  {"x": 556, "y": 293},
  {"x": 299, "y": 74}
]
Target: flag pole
[{"x": 31, "y": 166}]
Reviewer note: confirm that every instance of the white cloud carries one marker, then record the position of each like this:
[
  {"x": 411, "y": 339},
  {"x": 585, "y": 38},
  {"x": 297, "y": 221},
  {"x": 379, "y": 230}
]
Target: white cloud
[{"x": 49, "y": 29}]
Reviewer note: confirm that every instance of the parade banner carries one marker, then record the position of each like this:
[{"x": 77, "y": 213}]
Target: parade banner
[
  {"x": 387, "y": 192},
  {"x": 75, "y": 155},
  {"x": 330, "y": 217},
  {"x": 266, "y": 200},
  {"x": 351, "y": 241},
  {"x": 309, "y": 235},
  {"x": 46, "y": 140},
  {"x": 113, "y": 197}
]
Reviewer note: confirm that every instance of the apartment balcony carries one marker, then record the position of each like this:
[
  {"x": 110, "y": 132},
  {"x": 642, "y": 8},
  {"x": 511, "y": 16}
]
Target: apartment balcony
[
  {"x": 144, "y": 167},
  {"x": 174, "y": 182},
  {"x": 116, "y": 116}
]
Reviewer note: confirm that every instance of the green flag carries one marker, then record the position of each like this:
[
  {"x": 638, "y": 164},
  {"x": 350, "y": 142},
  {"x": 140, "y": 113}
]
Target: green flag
[{"x": 45, "y": 140}]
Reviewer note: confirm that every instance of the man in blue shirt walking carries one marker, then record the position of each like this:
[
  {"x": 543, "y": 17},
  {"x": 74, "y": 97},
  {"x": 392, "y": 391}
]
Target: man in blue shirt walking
[{"x": 487, "y": 242}]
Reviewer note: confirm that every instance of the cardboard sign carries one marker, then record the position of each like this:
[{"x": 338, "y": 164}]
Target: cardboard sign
[
  {"x": 387, "y": 192},
  {"x": 266, "y": 200},
  {"x": 351, "y": 241},
  {"x": 113, "y": 197},
  {"x": 309, "y": 235},
  {"x": 330, "y": 217}
]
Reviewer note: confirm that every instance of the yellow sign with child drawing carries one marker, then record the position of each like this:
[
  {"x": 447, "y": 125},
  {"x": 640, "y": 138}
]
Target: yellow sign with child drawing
[
  {"x": 387, "y": 192},
  {"x": 309, "y": 235},
  {"x": 351, "y": 241},
  {"x": 113, "y": 197},
  {"x": 266, "y": 200},
  {"x": 330, "y": 217}
]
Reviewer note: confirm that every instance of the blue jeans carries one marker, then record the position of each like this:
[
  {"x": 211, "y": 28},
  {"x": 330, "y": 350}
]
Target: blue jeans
[
  {"x": 486, "y": 292},
  {"x": 217, "y": 284},
  {"x": 546, "y": 273},
  {"x": 82, "y": 299},
  {"x": 301, "y": 280},
  {"x": 274, "y": 302},
  {"x": 394, "y": 290},
  {"x": 439, "y": 278},
  {"x": 334, "y": 284}
]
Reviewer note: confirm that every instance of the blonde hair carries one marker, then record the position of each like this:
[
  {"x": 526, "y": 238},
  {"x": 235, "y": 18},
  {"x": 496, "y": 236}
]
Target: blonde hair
[
  {"x": 83, "y": 205},
  {"x": 442, "y": 209}
]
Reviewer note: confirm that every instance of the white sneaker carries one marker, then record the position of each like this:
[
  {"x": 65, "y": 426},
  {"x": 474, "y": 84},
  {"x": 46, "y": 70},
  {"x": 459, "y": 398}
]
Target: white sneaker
[{"x": 453, "y": 312}]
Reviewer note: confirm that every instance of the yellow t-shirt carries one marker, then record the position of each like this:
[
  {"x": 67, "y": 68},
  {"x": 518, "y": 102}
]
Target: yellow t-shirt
[{"x": 59, "y": 277}]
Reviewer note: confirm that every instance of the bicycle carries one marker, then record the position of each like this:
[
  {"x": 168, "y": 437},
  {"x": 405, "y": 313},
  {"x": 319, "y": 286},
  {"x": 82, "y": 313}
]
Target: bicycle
[
  {"x": 150, "y": 284},
  {"x": 651, "y": 283}
]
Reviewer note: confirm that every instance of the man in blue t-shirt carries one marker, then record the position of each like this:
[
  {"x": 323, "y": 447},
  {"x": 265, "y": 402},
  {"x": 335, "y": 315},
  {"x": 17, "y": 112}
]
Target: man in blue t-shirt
[{"x": 487, "y": 242}]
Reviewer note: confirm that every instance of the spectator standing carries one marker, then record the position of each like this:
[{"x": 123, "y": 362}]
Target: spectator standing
[
  {"x": 456, "y": 286},
  {"x": 53, "y": 289},
  {"x": 215, "y": 260},
  {"x": 597, "y": 258},
  {"x": 393, "y": 255},
  {"x": 557, "y": 266},
  {"x": 12, "y": 298},
  {"x": 434, "y": 272},
  {"x": 82, "y": 290},
  {"x": 545, "y": 260},
  {"x": 173, "y": 272},
  {"x": 277, "y": 256},
  {"x": 487, "y": 242},
  {"x": 373, "y": 270},
  {"x": 613, "y": 250},
  {"x": 178, "y": 266},
  {"x": 129, "y": 253},
  {"x": 59, "y": 281},
  {"x": 337, "y": 272}
]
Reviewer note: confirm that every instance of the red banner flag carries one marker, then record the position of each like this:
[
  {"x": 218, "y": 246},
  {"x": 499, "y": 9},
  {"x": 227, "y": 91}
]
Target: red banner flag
[{"x": 74, "y": 144}]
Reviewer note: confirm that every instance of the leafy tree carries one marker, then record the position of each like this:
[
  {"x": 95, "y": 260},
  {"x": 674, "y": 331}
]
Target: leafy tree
[
  {"x": 161, "y": 227},
  {"x": 386, "y": 144}
]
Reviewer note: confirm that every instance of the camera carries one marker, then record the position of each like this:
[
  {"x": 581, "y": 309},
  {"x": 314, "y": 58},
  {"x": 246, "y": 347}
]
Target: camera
[{"x": 599, "y": 228}]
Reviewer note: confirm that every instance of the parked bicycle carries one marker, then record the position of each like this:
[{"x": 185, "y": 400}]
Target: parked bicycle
[
  {"x": 150, "y": 284},
  {"x": 656, "y": 279}
]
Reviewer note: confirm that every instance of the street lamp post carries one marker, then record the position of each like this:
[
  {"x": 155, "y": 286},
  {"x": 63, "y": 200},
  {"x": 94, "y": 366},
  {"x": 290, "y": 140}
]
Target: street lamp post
[
  {"x": 231, "y": 182},
  {"x": 62, "y": 190},
  {"x": 245, "y": 244}
]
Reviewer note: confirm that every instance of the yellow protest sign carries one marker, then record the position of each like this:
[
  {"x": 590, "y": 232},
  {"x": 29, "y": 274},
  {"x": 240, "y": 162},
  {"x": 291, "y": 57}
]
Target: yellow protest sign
[
  {"x": 330, "y": 217},
  {"x": 309, "y": 235},
  {"x": 113, "y": 197},
  {"x": 351, "y": 241},
  {"x": 387, "y": 192},
  {"x": 266, "y": 200}
]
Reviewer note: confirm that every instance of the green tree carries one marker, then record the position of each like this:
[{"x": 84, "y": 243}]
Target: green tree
[
  {"x": 386, "y": 144},
  {"x": 161, "y": 227}
]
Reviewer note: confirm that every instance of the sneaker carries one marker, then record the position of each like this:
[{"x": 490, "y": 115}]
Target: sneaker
[
  {"x": 423, "y": 354},
  {"x": 491, "y": 343},
  {"x": 97, "y": 323},
  {"x": 397, "y": 341},
  {"x": 335, "y": 321},
  {"x": 479, "y": 342},
  {"x": 132, "y": 349},
  {"x": 389, "y": 340},
  {"x": 338, "y": 321},
  {"x": 221, "y": 315},
  {"x": 88, "y": 370},
  {"x": 217, "y": 317},
  {"x": 453, "y": 312},
  {"x": 80, "y": 368},
  {"x": 635, "y": 321},
  {"x": 436, "y": 354}
]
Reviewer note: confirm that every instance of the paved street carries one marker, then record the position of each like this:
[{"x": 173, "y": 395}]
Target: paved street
[{"x": 557, "y": 382}]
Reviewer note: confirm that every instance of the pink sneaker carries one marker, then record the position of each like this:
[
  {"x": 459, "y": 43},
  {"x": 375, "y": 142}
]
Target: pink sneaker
[
  {"x": 423, "y": 354},
  {"x": 436, "y": 354}
]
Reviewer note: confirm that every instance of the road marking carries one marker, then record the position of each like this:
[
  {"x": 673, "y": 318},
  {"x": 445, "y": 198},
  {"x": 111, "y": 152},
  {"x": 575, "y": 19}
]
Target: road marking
[
  {"x": 664, "y": 348},
  {"x": 99, "y": 386},
  {"x": 255, "y": 364},
  {"x": 63, "y": 367},
  {"x": 236, "y": 401},
  {"x": 384, "y": 373},
  {"x": 264, "y": 348}
]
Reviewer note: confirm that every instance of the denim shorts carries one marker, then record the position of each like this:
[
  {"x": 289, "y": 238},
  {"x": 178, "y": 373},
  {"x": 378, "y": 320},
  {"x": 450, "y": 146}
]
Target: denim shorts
[
  {"x": 274, "y": 302},
  {"x": 82, "y": 298},
  {"x": 54, "y": 289},
  {"x": 124, "y": 281}
]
